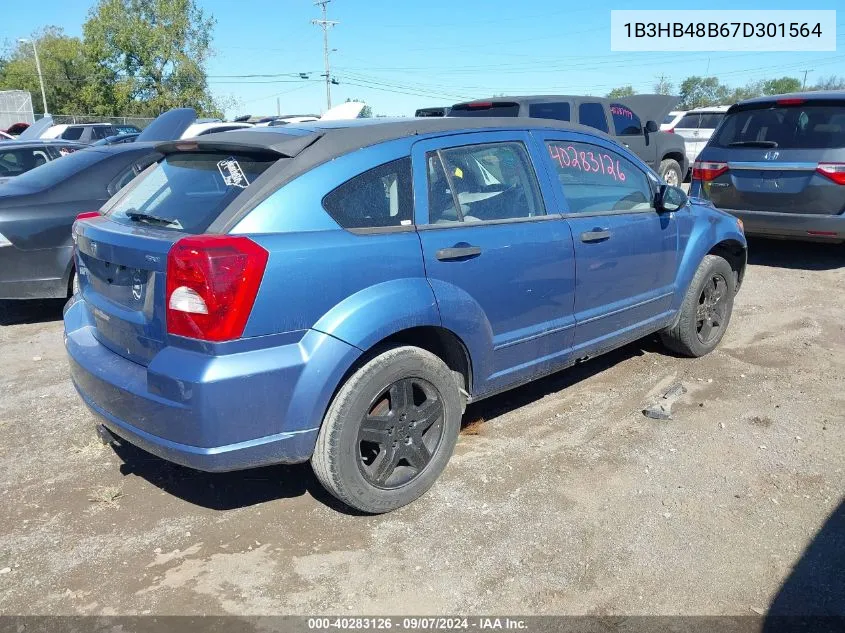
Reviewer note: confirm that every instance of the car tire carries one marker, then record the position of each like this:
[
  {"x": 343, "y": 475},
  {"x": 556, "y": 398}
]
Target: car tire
[
  {"x": 670, "y": 172},
  {"x": 372, "y": 452},
  {"x": 706, "y": 310}
]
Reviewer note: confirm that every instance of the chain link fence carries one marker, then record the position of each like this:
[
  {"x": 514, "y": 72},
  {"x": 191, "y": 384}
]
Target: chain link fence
[
  {"x": 15, "y": 107},
  {"x": 140, "y": 122}
]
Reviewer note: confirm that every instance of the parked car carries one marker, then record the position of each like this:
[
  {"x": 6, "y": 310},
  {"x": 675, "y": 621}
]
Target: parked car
[
  {"x": 82, "y": 132},
  {"x": 127, "y": 128},
  {"x": 210, "y": 127},
  {"x": 671, "y": 119},
  {"x": 6, "y": 137},
  {"x": 697, "y": 126},
  {"x": 287, "y": 120},
  {"x": 16, "y": 129},
  {"x": 117, "y": 138},
  {"x": 455, "y": 259},
  {"x": 661, "y": 151},
  {"x": 37, "y": 209},
  {"x": 778, "y": 163},
  {"x": 424, "y": 112},
  {"x": 18, "y": 157}
]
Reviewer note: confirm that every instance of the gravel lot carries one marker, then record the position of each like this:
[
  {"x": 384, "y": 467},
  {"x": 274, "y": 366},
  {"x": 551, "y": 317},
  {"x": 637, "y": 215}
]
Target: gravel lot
[{"x": 561, "y": 498}]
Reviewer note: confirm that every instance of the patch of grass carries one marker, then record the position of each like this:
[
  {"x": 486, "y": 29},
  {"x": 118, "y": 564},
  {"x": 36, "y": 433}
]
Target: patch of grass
[
  {"x": 108, "y": 495},
  {"x": 473, "y": 427},
  {"x": 92, "y": 447}
]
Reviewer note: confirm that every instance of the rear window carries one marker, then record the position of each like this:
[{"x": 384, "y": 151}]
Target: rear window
[
  {"x": 187, "y": 192},
  {"x": 669, "y": 118},
  {"x": 493, "y": 109},
  {"x": 557, "y": 111},
  {"x": 786, "y": 127},
  {"x": 592, "y": 114}
]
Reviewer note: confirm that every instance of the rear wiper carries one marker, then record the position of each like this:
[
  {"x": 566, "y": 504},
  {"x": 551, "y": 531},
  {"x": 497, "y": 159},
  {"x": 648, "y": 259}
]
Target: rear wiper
[
  {"x": 753, "y": 144},
  {"x": 137, "y": 216}
]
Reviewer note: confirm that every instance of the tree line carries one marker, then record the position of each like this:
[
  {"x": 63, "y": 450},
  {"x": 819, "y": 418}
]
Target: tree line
[
  {"x": 135, "y": 58},
  {"x": 699, "y": 92}
]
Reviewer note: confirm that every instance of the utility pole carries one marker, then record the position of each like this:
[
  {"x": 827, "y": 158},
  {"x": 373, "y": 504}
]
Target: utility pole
[
  {"x": 804, "y": 84},
  {"x": 38, "y": 67},
  {"x": 325, "y": 24}
]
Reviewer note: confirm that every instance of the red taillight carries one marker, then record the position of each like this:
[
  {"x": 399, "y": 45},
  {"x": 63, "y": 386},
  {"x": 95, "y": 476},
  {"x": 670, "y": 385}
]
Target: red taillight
[
  {"x": 834, "y": 171},
  {"x": 791, "y": 101},
  {"x": 212, "y": 282},
  {"x": 670, "y": 130},
  {"x": 87, "y": 215},
  {"x": 479, "y": 105},
  {"x": 706, "y": 171}
]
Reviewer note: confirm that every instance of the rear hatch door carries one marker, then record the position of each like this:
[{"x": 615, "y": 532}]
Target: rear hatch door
[
  {"x": 777, "y": 155},
  {"x": 122, "y": 257}
]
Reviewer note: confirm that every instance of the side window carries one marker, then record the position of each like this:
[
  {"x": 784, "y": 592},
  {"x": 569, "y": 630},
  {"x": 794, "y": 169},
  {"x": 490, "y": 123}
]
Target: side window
[
  {"x": 123, "y": 178},
  {"x": 688, "y": 122},
  {"x": 478, "y": 183},
  {"x": 378, "y": 198},
  {"x": 558, "y": 111},
  {"x": 710, "y": 121},
  {"x": 72, "y": 134},
  {"x": 625, "y": 122},
  {"x": 596, "y": 179},
  {"x": 101, "y": 131},
  {"x": 592, "y": 114}
]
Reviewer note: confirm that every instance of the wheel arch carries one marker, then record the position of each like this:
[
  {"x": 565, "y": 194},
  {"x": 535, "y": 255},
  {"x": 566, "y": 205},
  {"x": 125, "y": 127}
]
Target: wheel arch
[
  {"x": 715, "y": 237},
  {"x": 736, "y": 255}
]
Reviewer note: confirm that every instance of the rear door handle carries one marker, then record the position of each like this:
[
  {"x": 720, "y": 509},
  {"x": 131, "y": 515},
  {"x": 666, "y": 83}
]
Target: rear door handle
[
  {"x": 458, "y": 252},
  {"x": 596, "y": 235}
]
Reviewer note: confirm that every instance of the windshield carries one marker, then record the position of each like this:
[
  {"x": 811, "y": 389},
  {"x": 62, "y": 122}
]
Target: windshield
[
  {"x": 56, "y": 171},
  {"x": 187, "y": 192},
  {"x": 802, "y": 126}
]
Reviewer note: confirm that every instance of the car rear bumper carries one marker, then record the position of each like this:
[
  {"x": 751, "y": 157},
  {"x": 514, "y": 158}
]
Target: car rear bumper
[
  {"x": 211, "y": 413},
  {"x": 799, "y": 226}
]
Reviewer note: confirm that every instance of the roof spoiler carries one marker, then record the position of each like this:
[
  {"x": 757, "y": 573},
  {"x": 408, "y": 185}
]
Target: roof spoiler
[{"x": 268, "y": 143}]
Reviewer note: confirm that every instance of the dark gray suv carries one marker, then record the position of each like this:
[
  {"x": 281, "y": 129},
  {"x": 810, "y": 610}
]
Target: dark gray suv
[
  {"x": 630, "y": 121},
  {"x": 778, "y": 164}
]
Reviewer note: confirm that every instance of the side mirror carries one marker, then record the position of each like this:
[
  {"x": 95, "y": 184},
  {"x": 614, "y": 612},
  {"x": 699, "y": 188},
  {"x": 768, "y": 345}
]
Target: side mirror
[
  {"x": 670, "y": 199},
  {"x": 651, "y": 126}
]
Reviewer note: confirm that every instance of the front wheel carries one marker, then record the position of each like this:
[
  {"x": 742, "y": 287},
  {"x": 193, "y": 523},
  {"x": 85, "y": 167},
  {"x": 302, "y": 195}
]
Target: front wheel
[
  {"x": 389, "y": 431},
  {"x": 670, "y": 171},
  {"x": 706, "y": 310}
]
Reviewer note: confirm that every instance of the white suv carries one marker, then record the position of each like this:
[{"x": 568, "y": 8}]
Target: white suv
[{"x": 697, "y": 126}]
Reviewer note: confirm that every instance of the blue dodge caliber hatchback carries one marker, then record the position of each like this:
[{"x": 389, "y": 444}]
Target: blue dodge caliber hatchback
[{"x": 339, "y": 293}]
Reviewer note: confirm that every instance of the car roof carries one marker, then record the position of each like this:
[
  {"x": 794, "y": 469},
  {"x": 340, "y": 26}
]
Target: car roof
[
  {"x": 710, "y": 109},
  {"x": 319, "y": 142},
  {"x": 342, "y": 136},
  {"x": 43, "y": 142},
  {"x": 817, "y": 95}
]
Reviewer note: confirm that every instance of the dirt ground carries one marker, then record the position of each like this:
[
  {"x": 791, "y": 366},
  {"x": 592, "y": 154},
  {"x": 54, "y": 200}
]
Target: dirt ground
[{"x": 562, "y": 496}]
